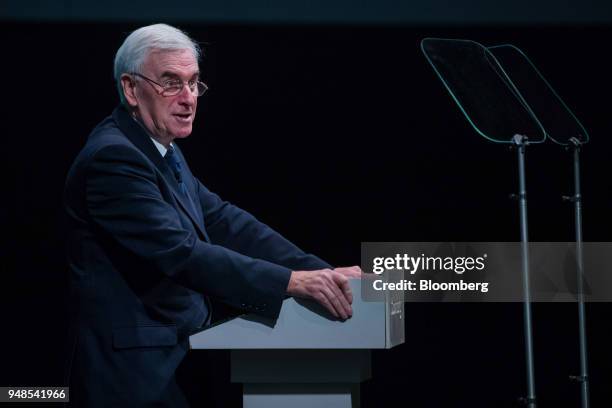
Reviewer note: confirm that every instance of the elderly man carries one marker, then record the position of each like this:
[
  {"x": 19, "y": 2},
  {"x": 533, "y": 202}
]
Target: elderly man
[{"x": 149, "y": 245}]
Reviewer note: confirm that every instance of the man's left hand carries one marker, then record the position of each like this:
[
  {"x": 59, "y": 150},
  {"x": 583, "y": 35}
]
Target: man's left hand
[{"x": 350, "y": 271}]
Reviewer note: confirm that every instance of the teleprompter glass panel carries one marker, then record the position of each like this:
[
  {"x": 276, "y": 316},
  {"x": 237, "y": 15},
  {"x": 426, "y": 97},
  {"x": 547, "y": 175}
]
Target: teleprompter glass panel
[
  {"x": 482, "y": 90},
  {"x": 559, "y": 122}
]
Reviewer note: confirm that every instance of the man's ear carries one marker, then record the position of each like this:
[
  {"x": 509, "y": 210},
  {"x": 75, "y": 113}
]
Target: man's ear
[{"x": 128, "y": 84}]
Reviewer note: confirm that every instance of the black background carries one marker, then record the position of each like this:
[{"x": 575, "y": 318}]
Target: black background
[{"x": 333, "y": 135}]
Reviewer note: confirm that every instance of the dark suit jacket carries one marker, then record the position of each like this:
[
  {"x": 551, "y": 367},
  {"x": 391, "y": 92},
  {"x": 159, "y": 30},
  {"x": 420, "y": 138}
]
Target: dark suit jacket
[{"x": 142, "y": 266}]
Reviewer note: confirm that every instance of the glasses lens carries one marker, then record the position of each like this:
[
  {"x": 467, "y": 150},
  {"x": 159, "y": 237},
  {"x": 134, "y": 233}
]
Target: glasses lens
[
  {"x": 172, "y": 89},
  {"x": 202, "y": 88},
  {"x": 198, "y": 88}
]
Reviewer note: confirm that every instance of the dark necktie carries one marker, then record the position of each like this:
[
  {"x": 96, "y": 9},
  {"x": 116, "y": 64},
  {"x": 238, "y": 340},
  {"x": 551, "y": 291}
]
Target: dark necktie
[{"x": 174, "y": 162}]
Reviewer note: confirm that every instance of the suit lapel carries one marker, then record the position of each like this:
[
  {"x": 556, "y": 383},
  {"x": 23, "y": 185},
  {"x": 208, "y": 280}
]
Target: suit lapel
[
  {"x": 139, "y": 137},
  {"x": 190, "y": 185}
]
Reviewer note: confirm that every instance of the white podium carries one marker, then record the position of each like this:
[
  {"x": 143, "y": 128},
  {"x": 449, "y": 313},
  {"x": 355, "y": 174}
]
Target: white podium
[{"x": 306, "y": 358}]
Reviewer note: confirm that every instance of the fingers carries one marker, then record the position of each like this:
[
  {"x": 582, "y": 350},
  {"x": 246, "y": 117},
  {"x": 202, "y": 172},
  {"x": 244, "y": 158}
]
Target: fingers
[
  {"x": 339, "y": 300},
  {"x": 322, "y": 299},
  {"x": 350, "y": 271},
  {"x": 345, "y": 287},
  {"x": 328, "y": 287},
  {"x": 330, "y": 293}
]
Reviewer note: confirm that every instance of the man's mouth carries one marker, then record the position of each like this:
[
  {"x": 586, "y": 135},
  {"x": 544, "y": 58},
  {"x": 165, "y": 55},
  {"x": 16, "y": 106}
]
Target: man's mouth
[{"x": 183, "y": 117}]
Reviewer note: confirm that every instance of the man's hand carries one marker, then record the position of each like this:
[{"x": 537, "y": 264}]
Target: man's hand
[
  {"x": 350, "y": 271},
  {"x": 328, "y": 287}
]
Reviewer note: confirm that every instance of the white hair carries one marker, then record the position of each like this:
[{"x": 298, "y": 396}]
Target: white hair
[{"x": 131, "y": 55}]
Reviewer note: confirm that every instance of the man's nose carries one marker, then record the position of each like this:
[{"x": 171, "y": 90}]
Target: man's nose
[{"x": 185, "y": 96}]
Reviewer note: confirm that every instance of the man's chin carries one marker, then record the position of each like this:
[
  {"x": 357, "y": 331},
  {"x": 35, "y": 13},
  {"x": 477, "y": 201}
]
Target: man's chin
[{"x": 182, "y": 132}]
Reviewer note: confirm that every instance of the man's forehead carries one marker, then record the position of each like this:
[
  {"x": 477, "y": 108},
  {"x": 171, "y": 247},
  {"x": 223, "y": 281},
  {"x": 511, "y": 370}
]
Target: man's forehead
[{"x": 172, "y": 61}]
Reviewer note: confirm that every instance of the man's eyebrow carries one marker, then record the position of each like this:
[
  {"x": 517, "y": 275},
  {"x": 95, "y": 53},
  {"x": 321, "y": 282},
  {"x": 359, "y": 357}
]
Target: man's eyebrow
[
  {"x": 168, "y": 74},
  {"x": 173, "y": 75}
]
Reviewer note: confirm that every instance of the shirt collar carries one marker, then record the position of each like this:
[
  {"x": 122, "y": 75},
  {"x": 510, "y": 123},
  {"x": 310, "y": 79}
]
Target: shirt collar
[{"x": 160, "y": 147}]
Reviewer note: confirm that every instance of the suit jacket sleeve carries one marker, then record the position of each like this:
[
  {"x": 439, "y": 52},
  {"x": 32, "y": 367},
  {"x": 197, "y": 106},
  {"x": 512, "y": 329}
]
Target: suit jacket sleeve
[
  {"x": 124, "y": 200},
  {"x": 237, "y": 229}
]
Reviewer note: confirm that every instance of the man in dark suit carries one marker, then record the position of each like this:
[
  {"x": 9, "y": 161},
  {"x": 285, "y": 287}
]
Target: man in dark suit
[{"x": 149, "y": 245}]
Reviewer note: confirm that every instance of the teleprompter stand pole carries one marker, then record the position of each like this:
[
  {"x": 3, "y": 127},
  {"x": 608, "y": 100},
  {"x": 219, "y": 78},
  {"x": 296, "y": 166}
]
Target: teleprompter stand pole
[
  {"x": 520, "y": 142},
  {"x": 583, "y": 378}
]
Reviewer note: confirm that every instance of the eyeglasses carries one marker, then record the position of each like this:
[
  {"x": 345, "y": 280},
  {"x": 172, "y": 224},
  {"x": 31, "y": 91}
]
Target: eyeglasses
[{"x": 173, "y": 87}]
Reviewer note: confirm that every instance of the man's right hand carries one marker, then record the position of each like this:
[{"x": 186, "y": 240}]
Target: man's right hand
[{"x": 328, "y": 287}]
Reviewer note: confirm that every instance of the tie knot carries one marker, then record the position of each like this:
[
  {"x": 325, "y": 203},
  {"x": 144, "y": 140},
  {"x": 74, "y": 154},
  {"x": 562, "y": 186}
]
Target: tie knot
[{"x": 174, "y": 163}]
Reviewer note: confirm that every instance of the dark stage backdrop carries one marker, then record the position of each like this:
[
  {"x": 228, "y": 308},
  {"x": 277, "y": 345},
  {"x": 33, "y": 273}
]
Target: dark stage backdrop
[{"x": 332, "y": 135}]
